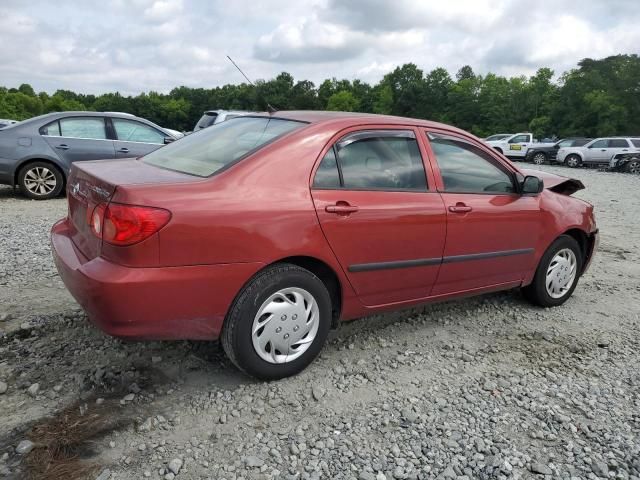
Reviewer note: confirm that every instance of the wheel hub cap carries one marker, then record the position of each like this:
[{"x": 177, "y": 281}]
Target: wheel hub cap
[
  {"x": 561, "y": 273},
  {"x": 40, "y": 181},
  {"x": 538, "y": 159},
  {"x": 285, "y": 326}
]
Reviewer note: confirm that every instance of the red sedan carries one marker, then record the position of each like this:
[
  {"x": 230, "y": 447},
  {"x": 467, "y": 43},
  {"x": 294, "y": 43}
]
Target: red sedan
[{"x": 267, "y": 230}]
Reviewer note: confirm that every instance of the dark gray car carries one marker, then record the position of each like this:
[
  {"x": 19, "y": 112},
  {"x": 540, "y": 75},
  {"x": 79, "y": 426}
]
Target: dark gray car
[{"x": 37, "y": 154}]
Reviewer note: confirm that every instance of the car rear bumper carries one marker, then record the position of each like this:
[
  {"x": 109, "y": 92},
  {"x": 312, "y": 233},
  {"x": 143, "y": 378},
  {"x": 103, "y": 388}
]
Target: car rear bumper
[{"x": 187, "y": 302}]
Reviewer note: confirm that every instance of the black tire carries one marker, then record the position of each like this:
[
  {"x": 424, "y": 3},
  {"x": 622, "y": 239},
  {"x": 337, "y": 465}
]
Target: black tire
[
  {"x": 573, "y": 160},
  {"x": 537, "y": 292},
  {"x": 539, "y": 158},
  {"x": 236, "y": 333},
  {"x": 632, "y": 166},
  {"x": 27, "y": 188}
]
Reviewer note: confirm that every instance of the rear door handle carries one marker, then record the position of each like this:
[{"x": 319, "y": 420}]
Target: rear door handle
[
  {"x": 124, "y": 150},
  {"x": 460, "y": 208},
  {"x": 341, "y": 209},
  {"x": 62, "y": 146}
]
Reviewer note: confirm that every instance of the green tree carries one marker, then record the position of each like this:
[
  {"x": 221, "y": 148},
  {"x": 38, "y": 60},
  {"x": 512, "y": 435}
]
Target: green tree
[{"x": 343, "y": 101}]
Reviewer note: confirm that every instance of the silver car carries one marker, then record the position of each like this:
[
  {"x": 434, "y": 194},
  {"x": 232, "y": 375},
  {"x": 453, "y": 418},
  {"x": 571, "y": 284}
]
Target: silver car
[
  {"x": 597, "y": 152},
  {"x": 36, "y": 154},
  {"x": 212, "y": 117}
]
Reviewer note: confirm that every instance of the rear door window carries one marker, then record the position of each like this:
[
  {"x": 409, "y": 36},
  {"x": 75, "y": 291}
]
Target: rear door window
[
  {"x": 380, "y": 160},
  {"x": 327, "y": 175},
  {"x": 51, "y": 129},
  {"x": 600, "y": 144},
  {"x": 83, "y": 127}
]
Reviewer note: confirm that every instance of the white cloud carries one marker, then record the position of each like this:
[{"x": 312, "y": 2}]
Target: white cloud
[
  {"x": 162, "y": 10},
  {"x": 139, "y": 45}
]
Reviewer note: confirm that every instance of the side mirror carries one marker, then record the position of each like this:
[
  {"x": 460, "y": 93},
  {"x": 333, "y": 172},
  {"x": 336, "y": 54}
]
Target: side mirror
[
  {"x": 169, "y": 140},
  {"x": 532, "y": 185},
  {"x": 556, "y": 146}
]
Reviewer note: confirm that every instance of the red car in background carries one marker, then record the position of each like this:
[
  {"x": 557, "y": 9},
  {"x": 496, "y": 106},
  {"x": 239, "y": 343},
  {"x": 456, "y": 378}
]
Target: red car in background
[{"x": 269, "y": 229}]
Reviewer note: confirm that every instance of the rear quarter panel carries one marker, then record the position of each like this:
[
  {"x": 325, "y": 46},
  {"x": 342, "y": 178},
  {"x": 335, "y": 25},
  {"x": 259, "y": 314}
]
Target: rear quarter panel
[{"x": 258, "y": 211}]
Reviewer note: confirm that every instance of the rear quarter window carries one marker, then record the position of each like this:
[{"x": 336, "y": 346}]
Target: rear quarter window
[{"x": 636, "y": 142}]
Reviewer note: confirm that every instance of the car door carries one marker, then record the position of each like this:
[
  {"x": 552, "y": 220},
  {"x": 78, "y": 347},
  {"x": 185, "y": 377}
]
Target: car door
[
  {"x": 383, "y": 220},
  {"x": 597, "y": 152},
  {"x": 134, "y": 139},
  {"x": 518, "y": 145},
  {"x": 491, "y": 229},
  {"x": 79, "y": 138}
]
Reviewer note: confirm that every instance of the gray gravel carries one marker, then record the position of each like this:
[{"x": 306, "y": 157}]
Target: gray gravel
[{"x": 486, "y": 388}]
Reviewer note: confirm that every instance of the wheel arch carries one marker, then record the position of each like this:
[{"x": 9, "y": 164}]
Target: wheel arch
[
  {"x": 25, "y": 161},
  {"x": 585, "y": 241},
  {"x": 326, "y": 274}
]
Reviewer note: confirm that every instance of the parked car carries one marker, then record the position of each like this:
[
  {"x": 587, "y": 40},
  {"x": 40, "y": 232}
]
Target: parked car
[
  {"x": 626, "y": 162},
  {"x": 514, "y": 146},
  {"x": 4, "y": 122},
  {"x": 542, "y": 153},
  {"x": 497, "y": 136},
  {"x": 174, "y": 133},
  {"x": 267, "y": 230},
  {"x": 599, "y": 151},
  {"x": 212, "y": 117},
  {"x": 36, "y": 154}
]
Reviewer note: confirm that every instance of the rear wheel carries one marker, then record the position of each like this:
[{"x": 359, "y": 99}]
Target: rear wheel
[
  {"x": 539, "y": 158},
  {"x": 633, "y": 166},
  {"x": 573, "y": 161},
  {"x": 40, "y": 180},
  {"x": 278, "y": 323},
  {"x": 557, "y": 273}
]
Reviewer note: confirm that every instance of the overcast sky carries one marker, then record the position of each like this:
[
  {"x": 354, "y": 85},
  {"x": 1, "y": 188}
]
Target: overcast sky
[{"x": 140, "y": 45}]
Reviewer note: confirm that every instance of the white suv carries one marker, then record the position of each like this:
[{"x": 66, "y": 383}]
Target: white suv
[{"x": 598, "y": 151}]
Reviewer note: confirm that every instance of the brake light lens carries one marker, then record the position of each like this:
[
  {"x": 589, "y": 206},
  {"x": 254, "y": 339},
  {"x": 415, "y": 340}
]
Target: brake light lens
[{"x": 122, "y": 225}]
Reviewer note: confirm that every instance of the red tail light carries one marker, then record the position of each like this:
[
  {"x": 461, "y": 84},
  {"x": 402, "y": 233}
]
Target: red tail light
[{"x": 121, "y": 225}]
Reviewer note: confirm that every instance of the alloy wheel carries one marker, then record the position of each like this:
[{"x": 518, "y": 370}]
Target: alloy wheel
[
  {"x": 539, "y": 158},
  {"x": 561, "y": 273},
  {"x": 572, "y": 161},
  {"x": 286, "y": 325},
  {"x": 634, "y": 166},
  {"x": 40, "y": 181}
]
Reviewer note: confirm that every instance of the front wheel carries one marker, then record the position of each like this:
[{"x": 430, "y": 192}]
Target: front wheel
[
  {"x": 572, "y": 161},
  {"x": 40, "y": 181},
  {"x": 557, "y": 274},
  {"x": 278, "y": 323}
]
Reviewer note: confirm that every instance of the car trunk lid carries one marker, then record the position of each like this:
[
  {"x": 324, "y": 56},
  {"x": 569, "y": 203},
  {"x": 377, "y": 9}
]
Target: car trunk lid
[{"x": 93, "y": 183}]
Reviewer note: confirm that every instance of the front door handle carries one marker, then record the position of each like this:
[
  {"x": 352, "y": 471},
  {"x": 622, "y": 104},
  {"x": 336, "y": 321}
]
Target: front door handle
[
  {"x": 124, "y": 150},
  {"x": 460, "y": 208},
  {"x": 62, "y": 146},
  {"x": 341, "y": 208}
]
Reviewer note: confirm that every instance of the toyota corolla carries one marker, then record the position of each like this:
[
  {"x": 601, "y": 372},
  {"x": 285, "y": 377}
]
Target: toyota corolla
[{"x": 267, "y": 230}]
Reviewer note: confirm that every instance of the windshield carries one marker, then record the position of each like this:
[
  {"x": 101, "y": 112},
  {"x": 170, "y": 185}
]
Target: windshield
[{"x": 207, "y": 151}]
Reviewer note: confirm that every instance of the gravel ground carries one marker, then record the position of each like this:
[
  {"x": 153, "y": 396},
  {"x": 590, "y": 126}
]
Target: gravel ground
[{"x": 488, "y": 387}]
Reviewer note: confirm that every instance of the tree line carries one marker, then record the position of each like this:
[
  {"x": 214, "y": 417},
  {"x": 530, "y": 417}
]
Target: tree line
[{"x": 597, "y": 98}]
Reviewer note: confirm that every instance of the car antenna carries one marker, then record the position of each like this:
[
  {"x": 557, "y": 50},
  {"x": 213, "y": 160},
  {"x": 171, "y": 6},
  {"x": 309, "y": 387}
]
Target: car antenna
[{"x": 270, "y": 109}]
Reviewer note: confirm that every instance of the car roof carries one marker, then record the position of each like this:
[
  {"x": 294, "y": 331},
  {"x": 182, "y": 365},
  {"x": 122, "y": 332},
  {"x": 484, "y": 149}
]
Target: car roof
[{"x": 351, "y": 118}]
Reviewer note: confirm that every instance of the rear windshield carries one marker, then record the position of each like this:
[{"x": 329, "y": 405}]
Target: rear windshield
[{"x": 207, "y": 151}]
